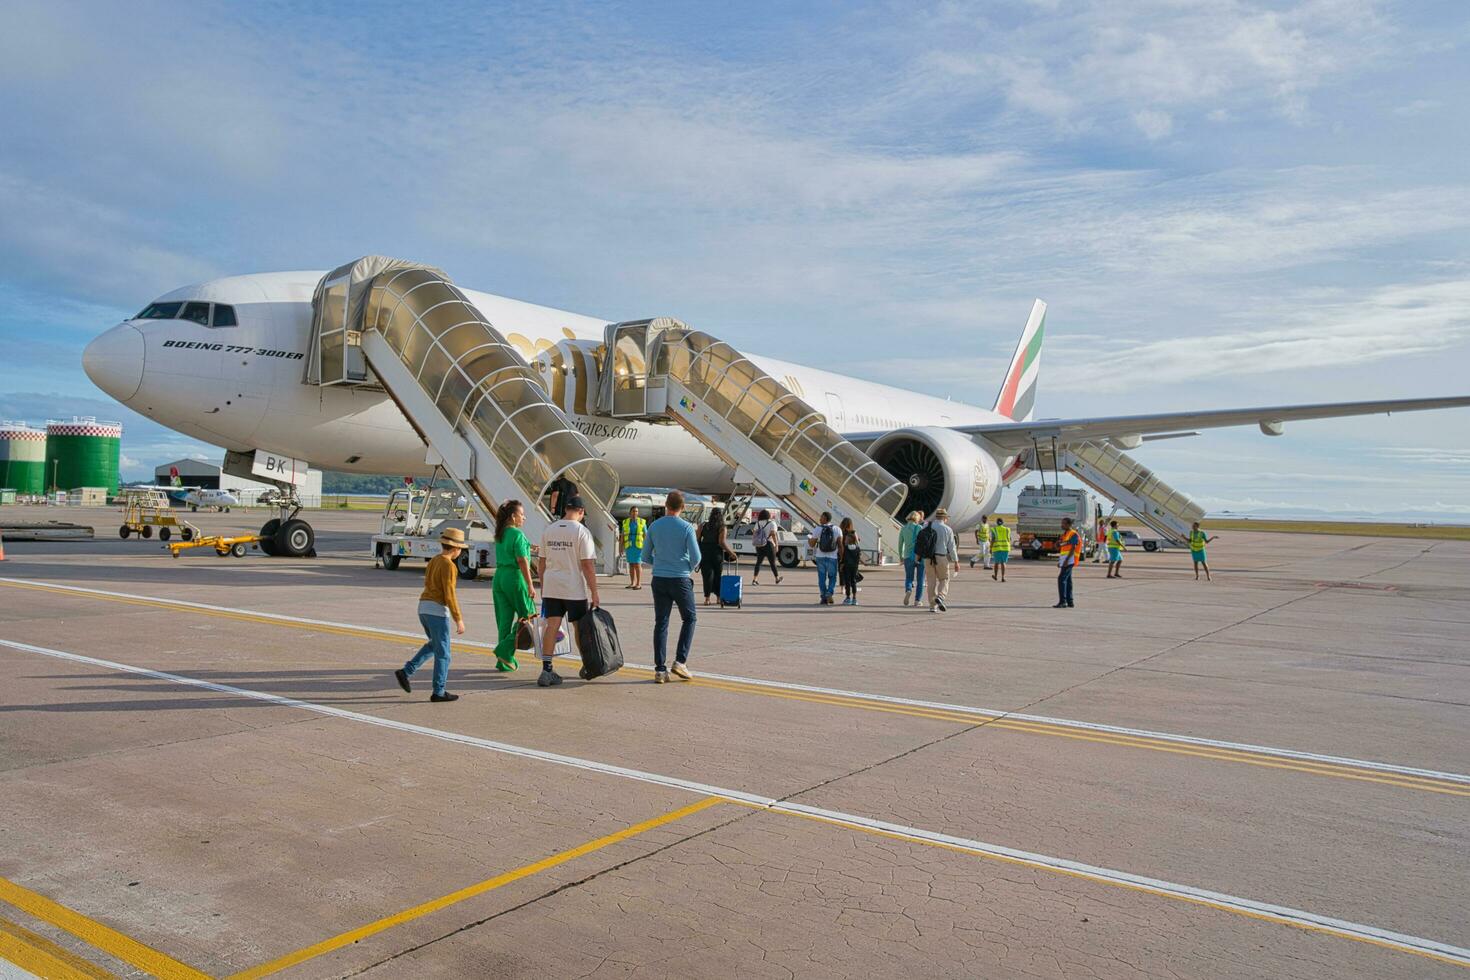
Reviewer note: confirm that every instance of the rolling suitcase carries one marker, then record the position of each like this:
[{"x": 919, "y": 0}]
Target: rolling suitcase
[
  {"x": 597, "y": 640},
  {"x": 732, "y": 586}
]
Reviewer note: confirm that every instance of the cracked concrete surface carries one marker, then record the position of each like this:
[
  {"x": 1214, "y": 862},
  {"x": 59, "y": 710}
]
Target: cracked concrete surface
[{"x": 226, "y": 831}]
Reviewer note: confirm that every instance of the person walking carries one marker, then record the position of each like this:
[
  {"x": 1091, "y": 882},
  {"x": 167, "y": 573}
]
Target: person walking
[
  {"x": 848, "y": 563},
  {"x": 562, "y": 490},
  {"x": 630, "y": 538},
  {"x": 764, "y": 536},
  {"x": 913, "y": 567},
  {"x": 982, "y": 544},
  {"x": 1069, "y": 554},
  {"x": 674, "y": 554},
  {"x": 568, "y": 569},
  {"x": 825, "y": 542},
  {"x": 512, "y": 590},
  {"x": 1000, "y": 549},
  {"x": 1115, "y": 551},
  {"x": 713, "y": 553},
  {"x": 438, "y": 607},
  {"x": 946, "y": 555},
  {"x": 1197, "y": 542}
]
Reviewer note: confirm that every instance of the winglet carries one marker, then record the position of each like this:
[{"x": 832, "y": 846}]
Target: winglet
[{"x": 1017, "y": 398}]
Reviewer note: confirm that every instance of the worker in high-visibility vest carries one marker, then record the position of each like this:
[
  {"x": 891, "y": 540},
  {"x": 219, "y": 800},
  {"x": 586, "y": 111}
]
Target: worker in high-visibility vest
[
  {"x": 1115, "y": 551},
  {"x": 1197, "y": 542},
  {"x": 630, "y": 537},
  {"x": 982, "y": 543},
  {"x": 1000, "y": 549},
  {"x": 1069, "y": 554}
]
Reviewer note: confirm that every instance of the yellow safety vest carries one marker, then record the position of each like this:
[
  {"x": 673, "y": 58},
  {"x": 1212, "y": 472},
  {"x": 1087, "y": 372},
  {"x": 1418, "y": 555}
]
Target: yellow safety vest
[
  {"x": 633, "y": 537},
  {"x": 1196, "y": 541},
  {"x": 1000, "y": 538},
  {"x": 1115, "y": 540}
]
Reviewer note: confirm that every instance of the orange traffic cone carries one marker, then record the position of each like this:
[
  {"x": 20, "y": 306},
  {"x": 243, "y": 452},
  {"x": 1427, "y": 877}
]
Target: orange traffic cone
[{"x": 2, "y": 547}]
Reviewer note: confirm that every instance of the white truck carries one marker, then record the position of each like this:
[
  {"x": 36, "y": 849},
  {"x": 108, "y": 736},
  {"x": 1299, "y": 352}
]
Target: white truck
[
  {"x": 1039, "y": 513},
  {"x": 413, "y": 520}
]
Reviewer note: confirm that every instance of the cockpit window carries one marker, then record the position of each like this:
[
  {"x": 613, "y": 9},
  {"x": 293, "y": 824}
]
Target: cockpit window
[
  {"x": 159, "y": 311},
  {"x": 224, "y": 316},
  {"x": 196, "y": 313}
]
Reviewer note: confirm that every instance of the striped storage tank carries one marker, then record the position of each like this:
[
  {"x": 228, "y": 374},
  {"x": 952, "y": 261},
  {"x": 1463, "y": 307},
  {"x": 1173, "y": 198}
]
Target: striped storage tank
[
  {"x": 22, "y": 458},
  {"x": 83, "y": 453}
]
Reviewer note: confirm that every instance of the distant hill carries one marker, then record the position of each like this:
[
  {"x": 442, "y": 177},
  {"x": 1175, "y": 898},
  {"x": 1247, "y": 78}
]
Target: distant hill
[{"x": 333, "y": 482}]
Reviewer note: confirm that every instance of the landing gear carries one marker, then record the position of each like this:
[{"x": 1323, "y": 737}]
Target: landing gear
[
  {"x": 295, "y": 539},
  {"x": 268, "y": 532}
]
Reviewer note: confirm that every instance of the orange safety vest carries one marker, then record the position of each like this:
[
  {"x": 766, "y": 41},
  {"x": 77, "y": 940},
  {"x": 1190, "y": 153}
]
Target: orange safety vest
[{"x": 1072, "y": 541}]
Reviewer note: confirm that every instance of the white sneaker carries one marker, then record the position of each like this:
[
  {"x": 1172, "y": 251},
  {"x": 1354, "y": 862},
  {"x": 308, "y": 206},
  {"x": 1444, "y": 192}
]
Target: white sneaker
[
  {"x": 660, "y": 676},
  {"x": 681, "y": 671}
]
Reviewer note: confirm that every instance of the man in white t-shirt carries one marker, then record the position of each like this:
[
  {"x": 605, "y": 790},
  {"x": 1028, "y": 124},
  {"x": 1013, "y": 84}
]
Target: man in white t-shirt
[{"x": 568, "y": 570}]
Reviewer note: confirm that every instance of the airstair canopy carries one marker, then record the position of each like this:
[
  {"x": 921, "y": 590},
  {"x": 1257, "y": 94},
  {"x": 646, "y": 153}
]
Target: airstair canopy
[{"x": 472, "y": 397}]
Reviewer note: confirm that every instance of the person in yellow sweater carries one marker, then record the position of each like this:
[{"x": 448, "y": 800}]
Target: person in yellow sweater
[{"x": 438, "y": 607}]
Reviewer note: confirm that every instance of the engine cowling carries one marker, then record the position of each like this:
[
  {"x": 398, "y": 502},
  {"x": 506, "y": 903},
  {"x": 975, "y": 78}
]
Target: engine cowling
[{"x": 941, "y": 468}]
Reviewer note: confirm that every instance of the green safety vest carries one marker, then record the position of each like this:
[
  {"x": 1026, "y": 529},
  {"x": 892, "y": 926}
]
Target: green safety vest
[
  {"x": 1196, "y": 541},
  {"x": 633, "y": 537},
  {"x": 1000, "y": 538}
]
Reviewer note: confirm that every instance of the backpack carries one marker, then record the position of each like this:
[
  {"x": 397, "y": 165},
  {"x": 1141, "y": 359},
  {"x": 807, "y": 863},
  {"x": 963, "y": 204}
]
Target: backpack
[
  {"x": 762, "y": 534},
  {"x": 925, "y": 541},
  {"x": 827, "y": 539}
]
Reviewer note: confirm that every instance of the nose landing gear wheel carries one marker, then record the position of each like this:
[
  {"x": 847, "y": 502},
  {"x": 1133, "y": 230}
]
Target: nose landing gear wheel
[
  {"x": 295, "y": 539},
  {"x": 268, "y": 532}
]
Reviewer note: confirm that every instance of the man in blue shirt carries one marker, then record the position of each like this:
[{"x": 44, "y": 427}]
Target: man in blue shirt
[{"x": 673, "y": 551}]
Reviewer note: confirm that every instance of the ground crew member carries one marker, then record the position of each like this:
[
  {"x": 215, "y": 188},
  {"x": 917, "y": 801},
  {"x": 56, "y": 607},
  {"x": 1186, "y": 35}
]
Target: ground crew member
[
  {"x": 630, "y": 538},
  {"x": 1115, "y": 551},
  {"x": 1069, "y": 553},
  {"x": 982, "y": 542},
  {"x": 512, "y": 590},
  {"x": 1197, "y": 542},
  {"x": 1000, "y": 549}
]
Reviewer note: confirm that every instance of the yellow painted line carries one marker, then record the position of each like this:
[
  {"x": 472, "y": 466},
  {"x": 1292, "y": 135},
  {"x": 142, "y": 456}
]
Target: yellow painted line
[
  {"x": 96, "y": 934},
  {"x": 453, "y": 898},
  {"x": 1219, "y": 754},
  {"x": 41, "y": 956},
  {"x": 1130, "y": 886}
]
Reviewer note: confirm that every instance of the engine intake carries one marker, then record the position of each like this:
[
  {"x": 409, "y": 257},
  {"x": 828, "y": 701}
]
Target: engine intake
[{"x": 941, "y": 468}]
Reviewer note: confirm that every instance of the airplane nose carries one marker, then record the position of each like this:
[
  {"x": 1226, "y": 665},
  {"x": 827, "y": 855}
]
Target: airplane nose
[{"x": 114, "y": 361}]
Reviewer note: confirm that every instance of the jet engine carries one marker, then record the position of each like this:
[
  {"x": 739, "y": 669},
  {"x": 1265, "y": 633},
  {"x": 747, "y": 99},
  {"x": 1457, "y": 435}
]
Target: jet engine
[{"x": 941, "y": 468}]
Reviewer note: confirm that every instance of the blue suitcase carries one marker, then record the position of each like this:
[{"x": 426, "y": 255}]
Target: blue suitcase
[{"x": 732, "y": 586}]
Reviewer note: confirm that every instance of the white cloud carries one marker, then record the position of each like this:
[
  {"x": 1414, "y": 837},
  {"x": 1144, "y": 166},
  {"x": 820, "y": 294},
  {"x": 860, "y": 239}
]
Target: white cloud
[{"x": 1154, "y": 123}]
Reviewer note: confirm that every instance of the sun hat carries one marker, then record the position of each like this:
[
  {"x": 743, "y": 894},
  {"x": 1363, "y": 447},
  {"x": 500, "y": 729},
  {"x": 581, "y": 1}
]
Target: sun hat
[{"x": 452, "y": 536}]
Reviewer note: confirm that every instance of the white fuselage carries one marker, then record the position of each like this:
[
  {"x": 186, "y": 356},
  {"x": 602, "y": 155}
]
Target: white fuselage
[{"x": 242, "y": 387}]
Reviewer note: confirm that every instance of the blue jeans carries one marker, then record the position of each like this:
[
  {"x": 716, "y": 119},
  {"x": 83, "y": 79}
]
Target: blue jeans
[
  {"x": 913, "y": 577},
  {"x": 668, "y": 593},
  {"x": 826, "y": 576},
  {"x": 437, "y": 628},
  {"x": 1064, "y": 584}
]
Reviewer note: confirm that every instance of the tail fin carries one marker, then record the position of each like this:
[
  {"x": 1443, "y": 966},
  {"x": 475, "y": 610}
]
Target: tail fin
[{"x": 1017, "y": 398}]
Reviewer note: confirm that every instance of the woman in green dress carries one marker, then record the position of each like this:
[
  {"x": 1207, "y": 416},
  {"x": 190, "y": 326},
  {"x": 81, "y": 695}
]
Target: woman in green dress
[{"x": 515, "y": 596}]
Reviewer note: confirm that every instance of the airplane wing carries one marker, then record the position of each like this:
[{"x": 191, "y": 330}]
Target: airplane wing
[{"x": 1018, "y": 435}]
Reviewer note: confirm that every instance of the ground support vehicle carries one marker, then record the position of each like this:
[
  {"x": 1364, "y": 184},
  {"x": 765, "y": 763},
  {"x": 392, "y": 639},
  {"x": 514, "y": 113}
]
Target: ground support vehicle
[
  {"x": 789, "y": 547},
  {"x": 1039, "y": 513},
  {"x": 144, "y": 510},
  {"x": 413, "y": 520},
  {"x": 224, "y": 546}
]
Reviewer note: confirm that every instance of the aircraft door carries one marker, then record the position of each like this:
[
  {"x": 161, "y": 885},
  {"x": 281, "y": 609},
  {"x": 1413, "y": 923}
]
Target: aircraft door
[{"x": 836, "y": 416}]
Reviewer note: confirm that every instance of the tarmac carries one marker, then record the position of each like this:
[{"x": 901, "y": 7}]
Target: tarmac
[{"x": 206, "y": 769}]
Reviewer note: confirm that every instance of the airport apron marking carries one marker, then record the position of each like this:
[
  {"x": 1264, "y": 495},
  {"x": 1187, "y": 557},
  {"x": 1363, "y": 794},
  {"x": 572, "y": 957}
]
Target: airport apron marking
[
  {"x": 1284, "y": 915},
  {"x": 39, "y": 955},
  {"x": 1362, "y": 770}
]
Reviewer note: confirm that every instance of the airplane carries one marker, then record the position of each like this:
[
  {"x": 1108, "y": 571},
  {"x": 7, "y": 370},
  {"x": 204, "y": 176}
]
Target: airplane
[
  {"x": 221, "y": 500},
  {"x": 224, "y": 361}
]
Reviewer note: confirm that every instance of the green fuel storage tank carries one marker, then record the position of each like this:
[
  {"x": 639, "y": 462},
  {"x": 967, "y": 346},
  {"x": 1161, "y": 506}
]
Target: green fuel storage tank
[
  {"x": 83, "y": 453},
  {"x": 22, "y": 458}
]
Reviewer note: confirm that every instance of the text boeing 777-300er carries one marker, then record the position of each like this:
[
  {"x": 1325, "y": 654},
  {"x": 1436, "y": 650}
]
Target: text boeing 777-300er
[{"x": 224, "y": 361}]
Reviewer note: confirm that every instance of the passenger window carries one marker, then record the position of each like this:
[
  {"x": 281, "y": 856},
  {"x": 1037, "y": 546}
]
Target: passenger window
[
  {"x": 224, "y": 316},
  {"x": 196, "y": 313},
  {"x": 159, "y": 311}
]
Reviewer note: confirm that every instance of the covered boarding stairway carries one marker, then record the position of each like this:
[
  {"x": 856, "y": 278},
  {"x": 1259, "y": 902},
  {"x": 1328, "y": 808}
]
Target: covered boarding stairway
[
  {"x": 660, "y": 369},
  {"x": 406, "y": 329},
  {"x": 1121, "y": 478}
]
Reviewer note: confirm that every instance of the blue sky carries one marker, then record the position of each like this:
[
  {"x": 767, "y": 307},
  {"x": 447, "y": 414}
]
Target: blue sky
[{"x": 1224, "y": 203}]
